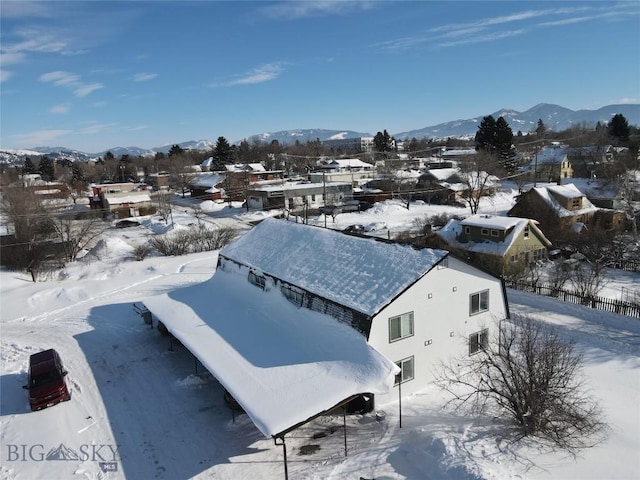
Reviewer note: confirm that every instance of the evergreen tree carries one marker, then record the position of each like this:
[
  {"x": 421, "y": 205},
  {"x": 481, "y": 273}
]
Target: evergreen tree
[
  {"x": 618, "y": 127},
  {"x": 46, "y": 169},
  {"x": 176, "y": 151},
  {"x": 383, "y": 142},
  {"x": 76, "y": 172},
  {"x": 541, "y": 129},
  {"x": 486, "y": 135},
  {"x": 222, "y": 153},
  {"x": 108, "y": 156},
  {"x": 28, "y": 167}
]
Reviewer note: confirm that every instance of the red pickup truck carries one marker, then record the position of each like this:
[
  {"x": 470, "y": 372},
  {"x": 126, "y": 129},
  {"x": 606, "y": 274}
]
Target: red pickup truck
[{"x": 46, "y": 384}]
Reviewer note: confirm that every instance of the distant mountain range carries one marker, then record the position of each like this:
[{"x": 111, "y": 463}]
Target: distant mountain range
[{"x": 555, "y": 118}]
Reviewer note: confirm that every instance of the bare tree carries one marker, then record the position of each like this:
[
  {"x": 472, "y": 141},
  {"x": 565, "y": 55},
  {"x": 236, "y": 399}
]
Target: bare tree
[
  {"x": 162, "y": 201},
  {"x": 529, "y": 374},
  {"x": 587, "y": 279},
  {"x": 476, "y": 179},
  {"x": 75, "y": 235},
  {"x": 558, "y": 276},
  {"x": 26, "y": 212}
]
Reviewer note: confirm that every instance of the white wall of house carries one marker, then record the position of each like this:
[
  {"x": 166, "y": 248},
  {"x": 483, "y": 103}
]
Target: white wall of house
[{"x": 442, "y": 323}]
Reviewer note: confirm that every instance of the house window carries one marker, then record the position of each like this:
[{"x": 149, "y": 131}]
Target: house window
[
  {"x": 478, "y": 302},
  {"x": 494, "y": 233},
  {"x": 526, "y": 231},
  {"x": 478, "y": 340},
  {"x": 484, "y": 231},
  {"x": 467, "y": 230},
  {"x": 292, "y": 295},
  {"x": 406, "y": 370},
  {"x": 400, "y": 326},
  {"x": 514, "y": 258},
  {"x": 257, "y": 280},
  {"x": 313, "y": 198},
  {"x": 576, "y": 202}
]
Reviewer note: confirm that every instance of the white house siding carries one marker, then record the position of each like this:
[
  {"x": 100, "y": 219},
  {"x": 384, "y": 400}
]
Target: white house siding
[{"x": 442, "y": 323}]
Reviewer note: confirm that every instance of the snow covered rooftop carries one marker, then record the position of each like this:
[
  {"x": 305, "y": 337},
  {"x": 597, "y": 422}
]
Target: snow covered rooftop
[
  {"x": 442, "y": 174},
  {"x": 245, "y": 167},
  {"x": 513, "y": 225},
  {"x": 492, "y": 221},
  {"x": 291, "y": 187},
  {"x": 282, "y": 364},
  {"x": 567, "y": 191},
  {"x": 360, "y": 273},
  {"x": 127, "y": 197},
  {"x": 554, "y": 154},
  {"x": 348, "y": 163},
  {"x": 207, "y": 180}
]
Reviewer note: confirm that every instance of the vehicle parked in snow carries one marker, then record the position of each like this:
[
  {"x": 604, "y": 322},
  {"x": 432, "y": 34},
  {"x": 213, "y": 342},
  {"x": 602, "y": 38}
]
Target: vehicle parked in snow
[
  {"x": 375, "y": 226},
  {"x": 354, "y": 229},
  {"x": 46, "y": 382}
]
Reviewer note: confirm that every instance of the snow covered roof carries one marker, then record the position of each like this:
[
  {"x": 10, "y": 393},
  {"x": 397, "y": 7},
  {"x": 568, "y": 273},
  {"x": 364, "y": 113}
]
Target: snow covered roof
[
  {"x": 348, "y": 163},
  {"x": 278, "y": 187},
  {"x": 281, "y": 368},
  {"x": 453, "y": 229},
  {"x": 244, "y": 167},
  {"x": 360, "y": 273},
  {"x": 566, "y": 191},
  {"x": 554, "y": 154},
  {"x": 593, "y": 188},
  {"x": 492, "y": 221},
  {"x": 442, "y": 174},
  {"x": 457, "y": 152},
  {"x": 207, "y": 180},
  {"x": 127, "y": 197}
]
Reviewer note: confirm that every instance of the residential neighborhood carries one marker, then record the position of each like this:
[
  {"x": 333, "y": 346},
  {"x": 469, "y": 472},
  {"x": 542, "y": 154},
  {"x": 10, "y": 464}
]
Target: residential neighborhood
[{"x": 322, "y": 297}]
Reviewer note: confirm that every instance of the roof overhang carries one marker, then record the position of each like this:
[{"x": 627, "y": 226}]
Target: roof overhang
[{"x": 283, "y": 364}]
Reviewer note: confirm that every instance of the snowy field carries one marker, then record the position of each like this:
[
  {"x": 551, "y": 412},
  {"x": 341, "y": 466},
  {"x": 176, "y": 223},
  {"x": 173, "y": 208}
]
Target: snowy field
[{"x": 141, "y": 411}]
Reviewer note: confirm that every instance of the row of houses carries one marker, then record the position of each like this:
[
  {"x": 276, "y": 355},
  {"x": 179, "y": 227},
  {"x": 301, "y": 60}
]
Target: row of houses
[{"x": 506, "y": 243}]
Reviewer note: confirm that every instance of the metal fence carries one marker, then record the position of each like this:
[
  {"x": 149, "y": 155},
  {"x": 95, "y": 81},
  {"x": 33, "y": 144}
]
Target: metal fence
[{"x": 629, "y": 309}]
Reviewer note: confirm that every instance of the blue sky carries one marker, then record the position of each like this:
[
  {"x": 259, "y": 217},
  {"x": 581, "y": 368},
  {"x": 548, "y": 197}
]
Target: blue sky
[{"x": 93, "y": 75}]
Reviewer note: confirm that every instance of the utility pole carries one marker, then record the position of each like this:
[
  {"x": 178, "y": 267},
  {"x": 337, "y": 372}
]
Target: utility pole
[{"x": 324, "y": 197}]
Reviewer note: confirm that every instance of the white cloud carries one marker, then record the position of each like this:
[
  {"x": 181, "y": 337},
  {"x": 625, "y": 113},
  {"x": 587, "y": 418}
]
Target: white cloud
[
  {"x": 484, "y": 30},
  {"x": 84, "y": 90},
  {"x": 143, "y": 77},
  {"x": 489, "y": 37},
  {"x": 70, "y": 80},
  {"x": 293, "y": 10},
  {"x": 10, "y": 58},
  {"x": 26, "y": 9},
  {"x": 60, "y": 109},
  {"x": 138, "y": 128},
  {"x": 40, "y": 137},
  {"x": 96, "y": 128},
  {"x": 628, "y": 100},
  {"x": 260, "y": 74},
  {"x": 5, "y": 75},
  {"x": 60, "y": 78}
]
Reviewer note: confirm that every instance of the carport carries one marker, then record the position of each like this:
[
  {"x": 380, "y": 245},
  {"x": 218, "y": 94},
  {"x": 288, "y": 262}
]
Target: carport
[{"x": 283, "y": 364}]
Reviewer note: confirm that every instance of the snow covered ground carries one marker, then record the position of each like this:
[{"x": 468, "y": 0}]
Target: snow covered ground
[{"x": 141, "y": 411}]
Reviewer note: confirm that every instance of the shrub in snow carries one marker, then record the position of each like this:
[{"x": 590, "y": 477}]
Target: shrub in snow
[
  {"x": 141, "y": 251},
  {"x": 527, "y": 373},
  {"x": 198, "y": 239}
]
